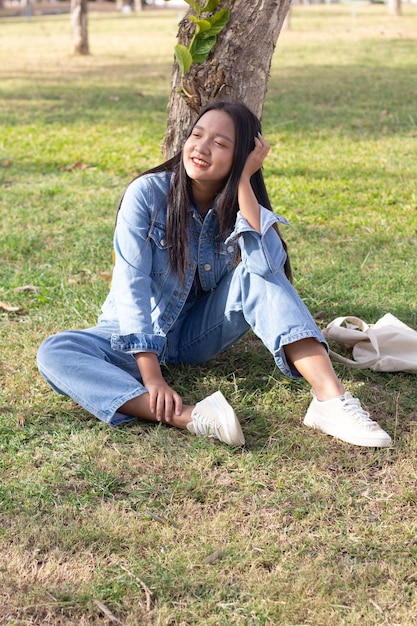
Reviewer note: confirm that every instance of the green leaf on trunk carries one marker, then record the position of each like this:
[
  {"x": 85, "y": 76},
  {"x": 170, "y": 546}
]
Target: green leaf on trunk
[{"x": 184, "y": 58}]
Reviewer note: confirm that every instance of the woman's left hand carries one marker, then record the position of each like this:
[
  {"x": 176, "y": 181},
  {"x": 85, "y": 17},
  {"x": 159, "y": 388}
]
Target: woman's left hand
[
  {"x": 248, "y": 203},
  {"x": 256, "y": 158}
]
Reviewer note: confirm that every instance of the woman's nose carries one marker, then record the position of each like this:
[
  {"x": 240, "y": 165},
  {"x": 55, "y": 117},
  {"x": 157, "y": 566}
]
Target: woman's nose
[{"x": 203, "y": 147}]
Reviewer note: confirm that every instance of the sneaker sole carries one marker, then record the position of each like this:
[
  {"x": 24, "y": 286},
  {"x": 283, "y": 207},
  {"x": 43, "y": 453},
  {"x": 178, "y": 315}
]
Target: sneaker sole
[{"x": 330, "y": 429}]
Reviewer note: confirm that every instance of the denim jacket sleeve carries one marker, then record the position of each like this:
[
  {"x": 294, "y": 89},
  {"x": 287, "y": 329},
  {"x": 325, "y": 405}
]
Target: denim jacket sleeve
[
  {"x": 262, "y": 252},
  {"x": 131, "y": 283}
]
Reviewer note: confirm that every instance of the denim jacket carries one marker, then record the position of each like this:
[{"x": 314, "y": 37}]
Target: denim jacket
[{"x": 146, "y": 297}]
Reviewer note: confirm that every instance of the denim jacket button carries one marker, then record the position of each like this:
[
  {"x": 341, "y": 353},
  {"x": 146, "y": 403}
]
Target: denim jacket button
[
  {"x": 207, "y": 267},
  {"x": 230, "y": 248},
  {"x": 163, "y": 242}
]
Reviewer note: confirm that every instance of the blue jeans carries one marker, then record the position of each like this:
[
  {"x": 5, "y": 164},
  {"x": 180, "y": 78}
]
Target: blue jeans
[{"x": 82, "y": 365}]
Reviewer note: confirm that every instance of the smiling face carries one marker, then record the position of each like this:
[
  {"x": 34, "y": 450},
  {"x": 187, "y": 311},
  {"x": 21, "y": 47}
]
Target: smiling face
[{"x": 208, "y": 152}]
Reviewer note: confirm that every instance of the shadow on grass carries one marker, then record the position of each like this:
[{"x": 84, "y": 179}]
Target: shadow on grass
[
  {"x": 50, "y": 101},
  {"x": 354, "y": 100}
]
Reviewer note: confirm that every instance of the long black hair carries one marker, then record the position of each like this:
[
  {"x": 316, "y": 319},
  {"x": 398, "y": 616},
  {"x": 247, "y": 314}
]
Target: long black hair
[{"x": 247, "y": 127}]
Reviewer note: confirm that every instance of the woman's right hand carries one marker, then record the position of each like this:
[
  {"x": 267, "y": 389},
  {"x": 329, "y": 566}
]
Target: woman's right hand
[{"x": 164, "y": 402}]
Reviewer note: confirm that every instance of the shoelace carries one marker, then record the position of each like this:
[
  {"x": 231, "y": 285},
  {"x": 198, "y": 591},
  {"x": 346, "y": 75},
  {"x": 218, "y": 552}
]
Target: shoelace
[
  {"x": 354, "y": 408},
  {"x": 203, "y": 426}
]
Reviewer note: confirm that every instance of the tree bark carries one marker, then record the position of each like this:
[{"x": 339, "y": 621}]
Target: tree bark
[
  {"x": 79, "y": 21},
  {"x": 236, "y": 69}
]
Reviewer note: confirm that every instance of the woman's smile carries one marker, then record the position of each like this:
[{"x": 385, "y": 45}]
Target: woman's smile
[{"x": 199, "y": 162}]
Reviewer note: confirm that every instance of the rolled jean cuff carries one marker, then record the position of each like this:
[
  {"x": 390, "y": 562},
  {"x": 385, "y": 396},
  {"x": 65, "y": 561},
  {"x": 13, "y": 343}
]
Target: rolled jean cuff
[
  {"x": 280, "y": 358},
  {"x": 112, "y": 416}
]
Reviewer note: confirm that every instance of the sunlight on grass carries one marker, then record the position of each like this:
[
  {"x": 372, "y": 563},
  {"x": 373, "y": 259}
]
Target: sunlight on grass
[{"x": 296, "y": 528}]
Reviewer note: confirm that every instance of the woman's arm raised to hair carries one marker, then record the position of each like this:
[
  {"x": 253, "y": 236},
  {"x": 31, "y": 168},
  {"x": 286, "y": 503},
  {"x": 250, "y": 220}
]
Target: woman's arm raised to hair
[{"x": 248, "y": 204}]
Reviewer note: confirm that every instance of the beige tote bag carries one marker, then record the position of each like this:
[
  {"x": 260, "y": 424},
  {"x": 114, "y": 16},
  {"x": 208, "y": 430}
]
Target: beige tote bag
[{"x": 389, "y": 345}]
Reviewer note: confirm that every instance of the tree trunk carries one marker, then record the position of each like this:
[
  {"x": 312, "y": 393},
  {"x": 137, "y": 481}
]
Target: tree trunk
[
  {"x": 236, "y": 69},
  {"x": 26, "y": 8},
  {"x": 286, "y": 25},
  {"x": 79, "y": 13},
  {"x": 394, "y": 7}
]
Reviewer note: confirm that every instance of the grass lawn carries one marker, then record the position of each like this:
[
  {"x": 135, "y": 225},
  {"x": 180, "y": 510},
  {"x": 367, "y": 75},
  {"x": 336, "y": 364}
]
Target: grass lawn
[{"x": 145, "y": 525}]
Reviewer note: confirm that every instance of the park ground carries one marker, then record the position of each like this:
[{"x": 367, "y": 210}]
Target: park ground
[{"x": 145, "y": 525}]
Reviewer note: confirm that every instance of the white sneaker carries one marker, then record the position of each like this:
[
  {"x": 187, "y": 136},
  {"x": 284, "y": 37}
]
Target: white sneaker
[
  {"x": 214, "y": 417},
  {"x": 345, "y": 419}
]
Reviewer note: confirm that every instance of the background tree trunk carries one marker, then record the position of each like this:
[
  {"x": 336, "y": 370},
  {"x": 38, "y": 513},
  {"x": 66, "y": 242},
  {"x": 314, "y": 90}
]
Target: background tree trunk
[
  {"x": 236, "y": 69},
  {"x": 79, "y": 21},
  {"x": 394, "y": 7}
]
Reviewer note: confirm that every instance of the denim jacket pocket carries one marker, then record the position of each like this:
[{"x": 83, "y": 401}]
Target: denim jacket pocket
[
  {"x": 160, "y": 262},
  {"x": 227, "y": 257}
]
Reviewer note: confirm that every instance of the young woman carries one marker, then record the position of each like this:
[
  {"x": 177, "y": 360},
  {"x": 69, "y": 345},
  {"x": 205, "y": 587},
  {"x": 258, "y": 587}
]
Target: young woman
[{"x": 199, "y": 262}]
